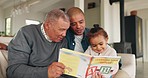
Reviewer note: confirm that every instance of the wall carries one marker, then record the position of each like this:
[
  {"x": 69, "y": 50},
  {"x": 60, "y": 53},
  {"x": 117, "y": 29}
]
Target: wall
[
  {"x": 1, "y": 20},
  {"x": 145, "y": 37},
  {"x": 110, "y": 20},
  {"x": 19, "y": 20},
  {"x": 92, "y": 15},
  {"x": 135, "y": 5},
  {"x": 107, "y": 16}
]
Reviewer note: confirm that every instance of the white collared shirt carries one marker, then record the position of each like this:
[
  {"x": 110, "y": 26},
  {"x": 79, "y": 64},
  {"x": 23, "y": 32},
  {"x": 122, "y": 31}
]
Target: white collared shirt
[{"x": 45, "y": 35}]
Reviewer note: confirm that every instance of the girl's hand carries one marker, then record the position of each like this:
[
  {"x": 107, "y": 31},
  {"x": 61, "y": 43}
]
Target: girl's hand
[{"x": 97, "y": 75}]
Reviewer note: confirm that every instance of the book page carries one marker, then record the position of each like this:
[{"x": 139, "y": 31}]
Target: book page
[
  {"x": 76, "y": 63},
  {"x": 104, "y": 65}
]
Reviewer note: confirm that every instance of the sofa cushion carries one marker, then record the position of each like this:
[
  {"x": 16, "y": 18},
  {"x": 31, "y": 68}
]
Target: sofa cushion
[{"x": 128, "y": 64}]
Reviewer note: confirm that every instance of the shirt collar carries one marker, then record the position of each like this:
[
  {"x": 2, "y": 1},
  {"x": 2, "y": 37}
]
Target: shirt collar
[{"x": 45, "y": 35}]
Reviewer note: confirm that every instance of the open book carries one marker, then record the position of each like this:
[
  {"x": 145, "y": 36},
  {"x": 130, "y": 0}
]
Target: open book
[{"x": 84, "y": 66}]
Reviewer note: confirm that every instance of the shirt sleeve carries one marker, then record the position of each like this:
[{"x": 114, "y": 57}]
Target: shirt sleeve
[{"x": 18, "y": 59}]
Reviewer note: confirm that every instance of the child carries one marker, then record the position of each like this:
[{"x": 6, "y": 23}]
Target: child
[{"x": 98, "y": 38}]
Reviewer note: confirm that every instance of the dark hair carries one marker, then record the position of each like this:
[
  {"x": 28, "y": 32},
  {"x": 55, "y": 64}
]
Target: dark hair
[
  {"x": 74, "y": 11},
  {"x": 97, "y": 30}
]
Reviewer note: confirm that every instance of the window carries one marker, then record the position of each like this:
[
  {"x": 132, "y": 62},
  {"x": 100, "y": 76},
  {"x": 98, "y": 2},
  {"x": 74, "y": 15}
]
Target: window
[
  {"x": 28, "y": 22},
  {"x": 8, "y": 26}
]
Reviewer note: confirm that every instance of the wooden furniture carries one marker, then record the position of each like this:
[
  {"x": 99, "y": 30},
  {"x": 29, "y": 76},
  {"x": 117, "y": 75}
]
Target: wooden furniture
[{"x": 133, "y": 34}]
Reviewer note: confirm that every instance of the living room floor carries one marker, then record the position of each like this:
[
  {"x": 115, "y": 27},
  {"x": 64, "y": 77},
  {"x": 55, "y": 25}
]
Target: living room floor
[{"x": 142, "y": 69}]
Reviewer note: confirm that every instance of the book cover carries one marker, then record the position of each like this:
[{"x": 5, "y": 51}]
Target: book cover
[
  {"x": 106, "y": 65},
  {"x": 83, "y": 65}
]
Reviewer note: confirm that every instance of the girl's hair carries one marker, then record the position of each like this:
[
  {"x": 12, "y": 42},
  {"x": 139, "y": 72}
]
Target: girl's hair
[{"x": 97, "y": 30}]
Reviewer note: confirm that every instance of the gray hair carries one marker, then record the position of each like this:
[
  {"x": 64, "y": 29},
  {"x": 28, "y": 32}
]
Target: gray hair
[{"x": 55, "y": 14}]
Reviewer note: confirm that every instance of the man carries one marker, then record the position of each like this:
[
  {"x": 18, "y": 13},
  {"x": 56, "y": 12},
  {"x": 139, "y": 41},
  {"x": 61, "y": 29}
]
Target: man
[
  {"x": 76, "y": 34},
  {"x": 33, "y": 53}
]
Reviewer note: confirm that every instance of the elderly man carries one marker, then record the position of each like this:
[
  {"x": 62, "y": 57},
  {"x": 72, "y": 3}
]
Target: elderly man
[{"x": 33, "y": 53}]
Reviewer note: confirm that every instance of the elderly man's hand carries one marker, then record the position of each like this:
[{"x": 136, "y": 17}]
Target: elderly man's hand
[
  {"x": 3, "y": 46},
  {"x": 55, "y": 70}
]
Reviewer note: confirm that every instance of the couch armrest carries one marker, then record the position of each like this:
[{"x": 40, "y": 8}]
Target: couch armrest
[
  {"x": 5, "y": 40},
  {"x": 3, "y": 63},
  {"x": 128, "y": 64}
]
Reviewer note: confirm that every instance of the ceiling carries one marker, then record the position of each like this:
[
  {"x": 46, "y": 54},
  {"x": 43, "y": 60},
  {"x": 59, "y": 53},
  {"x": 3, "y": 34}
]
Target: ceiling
[
  {"x": 41, "y": 5},
  {"x": 38, "y": 5}
]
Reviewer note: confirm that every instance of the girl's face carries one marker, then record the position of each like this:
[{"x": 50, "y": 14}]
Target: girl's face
[{"x": 98, "y": 43}]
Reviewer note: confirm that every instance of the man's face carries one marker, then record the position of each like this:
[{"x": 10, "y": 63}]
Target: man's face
[
  {"x": 57, "y": 31},
  {"x": 77, "y": 23}
]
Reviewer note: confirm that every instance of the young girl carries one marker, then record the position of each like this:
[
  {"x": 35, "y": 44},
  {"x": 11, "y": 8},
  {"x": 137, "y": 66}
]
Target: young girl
[{"x": 98, "y": 39}]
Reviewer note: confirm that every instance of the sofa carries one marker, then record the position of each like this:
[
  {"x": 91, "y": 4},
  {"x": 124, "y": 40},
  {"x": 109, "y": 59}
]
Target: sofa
[
  {"x": 128, "y": 64},
  {"x": 4, "y": 57},
  {"x": 128, "y": 60}
]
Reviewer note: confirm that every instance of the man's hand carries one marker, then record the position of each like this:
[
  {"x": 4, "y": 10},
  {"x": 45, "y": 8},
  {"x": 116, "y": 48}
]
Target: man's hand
[{"x": 55, "y": 70}]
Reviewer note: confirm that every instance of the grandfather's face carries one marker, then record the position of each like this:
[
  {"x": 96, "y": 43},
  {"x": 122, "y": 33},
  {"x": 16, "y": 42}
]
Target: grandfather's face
[
  {"x": 57, "y": 31},
  {"x": 77, "y": 23}
]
